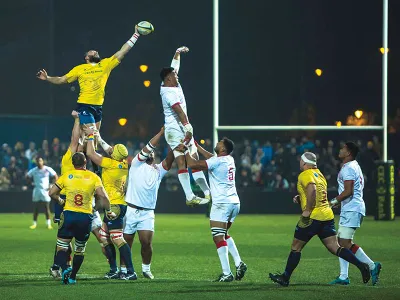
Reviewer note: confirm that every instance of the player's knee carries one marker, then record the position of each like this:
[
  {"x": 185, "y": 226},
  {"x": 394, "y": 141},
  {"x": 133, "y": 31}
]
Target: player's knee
[
  {"x": 80, "y": 247},
  {"x": 218, "y": 234},
  {"x": 62, "y": 245},
  {"x": 117, "y": 237},
  {"x": 104, "y": 237},
  {"x": 146, "y": 244}
]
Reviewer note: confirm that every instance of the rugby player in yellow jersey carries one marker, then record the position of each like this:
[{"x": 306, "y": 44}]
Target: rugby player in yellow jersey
[
  {"x": 80, "y": 185},
  {"x": 66, "y": 166},
  {"x": 92, "y": 77},
  {"x": 114, "y": 175},
  {"x": 316, "y": 219}
]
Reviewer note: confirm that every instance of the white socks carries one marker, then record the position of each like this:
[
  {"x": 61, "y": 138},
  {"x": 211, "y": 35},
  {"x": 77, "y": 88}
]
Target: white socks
[
  {"x": 34, "y": 223},
  {"x": 48, "y": 222},
  {"x": 124, "y": 270},
  {"x": 233, "y": 251},
  {"x": 200, "y": 179},
  {"x": 344, "y": 269},
  {"x": 360, "y": 254},
  {"x": 184, "y": 179},
  {"x": 222, "y": 250},
  {"x": 145, "y": 268}
]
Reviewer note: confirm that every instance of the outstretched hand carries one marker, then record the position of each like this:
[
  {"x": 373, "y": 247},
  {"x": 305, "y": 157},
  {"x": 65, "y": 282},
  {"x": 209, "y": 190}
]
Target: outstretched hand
[
  {"x": 75, "y": 114},
  {"x": 182, "y": 49},
  {"x": 42, "y": 74}
]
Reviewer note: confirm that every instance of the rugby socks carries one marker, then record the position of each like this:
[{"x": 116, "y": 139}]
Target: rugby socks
[
  {"x": 344, "y": 269},
  {"x": 346, "y": 254},
  {"x": 48, "y": 222},
  {"x": 34, "y": 223},
  {"x": 76, "y": 265},
  {"x": 61, "y": 259},
  {"x": 233, "y": 250},
  {"x": 222, "y": 249},
  {"x": 184, "y": 179},
  {"x": 123, "y": 269},
  {"x": 146, "y": 268},
  {"x": 126, "y": 254},
  {"x": 291, "y": 264},
  {"x": 112, "y": 257},
  {"x": 200, "y": 179},
  {"x": 360, "y": 254}
]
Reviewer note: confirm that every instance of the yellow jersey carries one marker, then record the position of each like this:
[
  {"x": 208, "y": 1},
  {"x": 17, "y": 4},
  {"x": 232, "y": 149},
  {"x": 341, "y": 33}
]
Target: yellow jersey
[
  {"x": 79, "y": 187},
  {"x": 66, "y": 164},
  {"x": 92, "y": 80},
  {"x": 114, "y": 174},
  {"x": 321, "y": 211}
]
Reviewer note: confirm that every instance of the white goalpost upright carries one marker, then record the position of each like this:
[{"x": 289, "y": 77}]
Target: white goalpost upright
[{"x": 217, "y": 126}]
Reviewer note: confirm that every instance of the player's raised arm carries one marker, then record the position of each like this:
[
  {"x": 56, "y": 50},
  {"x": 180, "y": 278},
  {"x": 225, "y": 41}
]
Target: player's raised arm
[
  {"x": 192, "y": 163},
  {"x": 167, "y": 162},
  {"x": 203, "y": 151},
  {"x": 187, "y": 127},
  {"x": 42, "y": 75},
  {"x": 91, "y": 152},
  {"x": 151, "y": 146},
  {"x": 127, "y": 46},
  {"x": 76, "y": 132},
  {"x": 176, "y": 61}
]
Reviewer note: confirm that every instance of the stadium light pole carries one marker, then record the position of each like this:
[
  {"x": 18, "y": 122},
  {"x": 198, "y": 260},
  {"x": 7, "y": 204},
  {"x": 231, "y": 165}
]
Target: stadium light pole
[
  {"x": 385, "y": 77},
  {"x": 215, "y": 70}
]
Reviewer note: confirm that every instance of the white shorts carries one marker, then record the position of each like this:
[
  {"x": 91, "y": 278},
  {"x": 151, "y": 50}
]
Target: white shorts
[
  {"x": 174, "y": 136},
  {"x": 96, "y": 222},
  {"x": 224, "y": 212},
  {"x": 136, "y": 220},
  {"x": 348, "y": 223},
  {"x": 39, "y": 195}
]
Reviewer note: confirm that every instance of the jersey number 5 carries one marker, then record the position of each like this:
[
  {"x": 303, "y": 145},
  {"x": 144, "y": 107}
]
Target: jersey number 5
[{"x": 231, "y": 174}]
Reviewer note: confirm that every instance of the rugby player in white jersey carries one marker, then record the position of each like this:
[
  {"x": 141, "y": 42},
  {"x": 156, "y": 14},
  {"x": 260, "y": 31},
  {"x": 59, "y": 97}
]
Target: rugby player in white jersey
[
  {"x": 40, "y": 176},
  {"x": 225, "y": 204},
  {"x": 178, "y": 129},
  {"x": 350, "y": 198},
  {"x": 141, "y": 196}
]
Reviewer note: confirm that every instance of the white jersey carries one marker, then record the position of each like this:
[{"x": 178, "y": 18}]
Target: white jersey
[
  {"x": 172, "y": 96},
  {"x": 41, "y": 180},
  {"x": 143, "y": 183},
  {"x": 221, "y": 171},
  {"x": 352, "y": 171}
]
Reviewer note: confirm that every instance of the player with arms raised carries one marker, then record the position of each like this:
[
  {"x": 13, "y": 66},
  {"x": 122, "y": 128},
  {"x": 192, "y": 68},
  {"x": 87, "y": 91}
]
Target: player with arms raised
[
  {"x": 225, "y": 205},
  {"x": 351, "y": 185},
  {"x": 316, "y": 219},
  {"x": 178, "y": 129}
]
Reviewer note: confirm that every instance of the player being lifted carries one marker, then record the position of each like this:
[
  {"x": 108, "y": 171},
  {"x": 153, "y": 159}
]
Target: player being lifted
[
  {"x": 316, "y": 219},
  {"x": 92, "y": 77},
  {"x": 178, "y": 129},
  {"x": 76, "y": 220},
  {"x": 114, "y": 174},
  {"x": 350, "y": 198},
  {"x": 225, "y": 205}
]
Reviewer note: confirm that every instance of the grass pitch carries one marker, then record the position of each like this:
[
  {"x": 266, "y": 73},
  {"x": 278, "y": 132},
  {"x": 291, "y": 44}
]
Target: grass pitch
[{"x": 185, "y": 262}]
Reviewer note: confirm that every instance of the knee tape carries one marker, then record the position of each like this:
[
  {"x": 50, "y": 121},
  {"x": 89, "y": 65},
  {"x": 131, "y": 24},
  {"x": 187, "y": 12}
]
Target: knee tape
[
  {"x": 80, "y": 247},
  {"x": 116, "y": 235},
  {"x": 216, "y": 231},
  {"x": 177, "y": 153},
  {"x": 62, "y": 244},
  {"x": 346, "y": 232}
]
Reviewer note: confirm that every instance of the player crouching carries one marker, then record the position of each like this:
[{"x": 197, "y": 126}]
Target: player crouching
[{"x": 225, "y": 205}]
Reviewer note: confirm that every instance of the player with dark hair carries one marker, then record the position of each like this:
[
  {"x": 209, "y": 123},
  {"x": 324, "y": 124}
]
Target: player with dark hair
[
  {"x": 80, "y": 186},
  {"x": 114, "y": 175},
  {"x": 225, "y": 205},
  {"x": 351, "y": 184},
  {"x": 316, "y": 219},
  {"x": 145, "y": 177},
  {"x": 178, "y": 129}
]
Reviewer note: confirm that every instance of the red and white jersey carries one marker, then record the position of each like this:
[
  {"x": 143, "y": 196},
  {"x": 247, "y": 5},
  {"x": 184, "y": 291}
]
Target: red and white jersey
[
  {"x": 352, "y": 171},
  {"x": 172, "y": 96},
  {"x": 143, "y": 183},
  {"x": 221, "y": 173}
]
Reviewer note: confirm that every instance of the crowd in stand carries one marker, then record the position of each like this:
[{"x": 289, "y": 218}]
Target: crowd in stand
[{"x": 270, "y": 166}]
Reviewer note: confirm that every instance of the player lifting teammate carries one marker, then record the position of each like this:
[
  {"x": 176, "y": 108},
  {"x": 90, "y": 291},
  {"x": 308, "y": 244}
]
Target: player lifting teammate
[
  {"x": 350, "y": 198},
  {"x": 114, "y": 174},
  {"x": 225, "y": 204},
  {"x": 80, "y": 186},
  {"x": 316, "y": 219},
  {"x": 178, "y": 129}
]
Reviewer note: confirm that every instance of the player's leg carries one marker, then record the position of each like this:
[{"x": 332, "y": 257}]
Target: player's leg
[
  {"x": 48, "y": 213},
  {"x": 146, "y": 242},
  {"x": 36, "y": 205},
  {"x": 130, "y": 228},
  {"x": 109, "y": 251},
  {"x": 129, "y": 238},
  {"x": 64, "y": 237},
  {"x": 198, "y": 175},
  {"x": 96, "y": 226},
  {"x": 241, "y": 267},
  {"x": 115, "y": 228}
]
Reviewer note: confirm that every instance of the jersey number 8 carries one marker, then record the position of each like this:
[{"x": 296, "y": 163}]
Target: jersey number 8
[{"x": 78, "y": 200}]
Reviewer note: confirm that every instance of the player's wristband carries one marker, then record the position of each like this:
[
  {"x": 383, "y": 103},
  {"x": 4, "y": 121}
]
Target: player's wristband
[
  {"x": 133, "y": 39},
  {"x": 150, "y": 147},
  {"x": 188, "y": 128},
  {"x": 334, "y": 201},
  {"x": 90, "y": 137}
]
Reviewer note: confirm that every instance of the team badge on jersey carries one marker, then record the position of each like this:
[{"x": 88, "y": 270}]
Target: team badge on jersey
[{"x": 70, "y": 176}]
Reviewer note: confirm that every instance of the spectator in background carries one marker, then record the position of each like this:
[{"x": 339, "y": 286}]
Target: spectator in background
[
  {"x": 278, "y": 183},
  {"x": 44, "y": 152},
  {"x": 268, "y": 153},
  {"x": 131, "y": 148},
  {"x": 305, "y": 146},
  {"x": 5, "y": 180},
  {"x": 7, "y": 156},
  {"x": 260, "y": 155},
  {"x": 256, "y": 169},
  {"x": 245, "y": 158},
  {"x": 16, "y": 173},
  {"x": 270, "y": 172},
  {"x": 317, "y": 147},
  {"x": 279, "y": 157},
  {"x": 30, "y": 155},
  {"x": 244, "y": 178},
  {"x": 292, "y": 144}
]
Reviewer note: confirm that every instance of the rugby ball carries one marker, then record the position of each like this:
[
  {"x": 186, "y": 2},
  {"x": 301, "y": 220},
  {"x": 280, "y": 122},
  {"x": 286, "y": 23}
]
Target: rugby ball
[{"x": 145, "y": 28}]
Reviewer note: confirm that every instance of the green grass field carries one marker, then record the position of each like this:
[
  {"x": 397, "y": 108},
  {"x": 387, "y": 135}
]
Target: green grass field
[{"x": 185, "y": 262}]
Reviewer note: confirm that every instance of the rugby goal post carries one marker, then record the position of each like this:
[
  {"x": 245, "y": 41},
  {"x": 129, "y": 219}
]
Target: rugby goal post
[{"x": 387, "y": 197}]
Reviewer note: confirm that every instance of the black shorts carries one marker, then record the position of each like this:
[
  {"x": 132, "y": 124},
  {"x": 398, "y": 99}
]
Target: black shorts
[
  {"x": 89, "y": 113},
  {"x": 118, "y": 223},
  {"x": 323, "y": 229},
  {"x": 75, "y": 225}
]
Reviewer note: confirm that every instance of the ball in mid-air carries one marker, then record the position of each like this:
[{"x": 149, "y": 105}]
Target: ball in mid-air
[{"x": 145, "y": 28}]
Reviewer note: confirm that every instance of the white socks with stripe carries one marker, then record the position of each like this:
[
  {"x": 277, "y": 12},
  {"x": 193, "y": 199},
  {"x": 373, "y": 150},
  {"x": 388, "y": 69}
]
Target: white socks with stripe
[
  {"x": 184, "y": 179},
  {"x": 360, "y": 254},
  {"x": 222, "y": 250},
  {"x": 344, "y": 269},
  {"x": 233, "y": 250},
  {"x": 145, "y": 268}
]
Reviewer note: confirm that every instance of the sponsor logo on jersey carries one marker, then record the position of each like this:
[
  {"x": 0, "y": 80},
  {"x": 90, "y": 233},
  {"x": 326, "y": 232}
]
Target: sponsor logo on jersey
[{"x": 70, "y": 176}]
